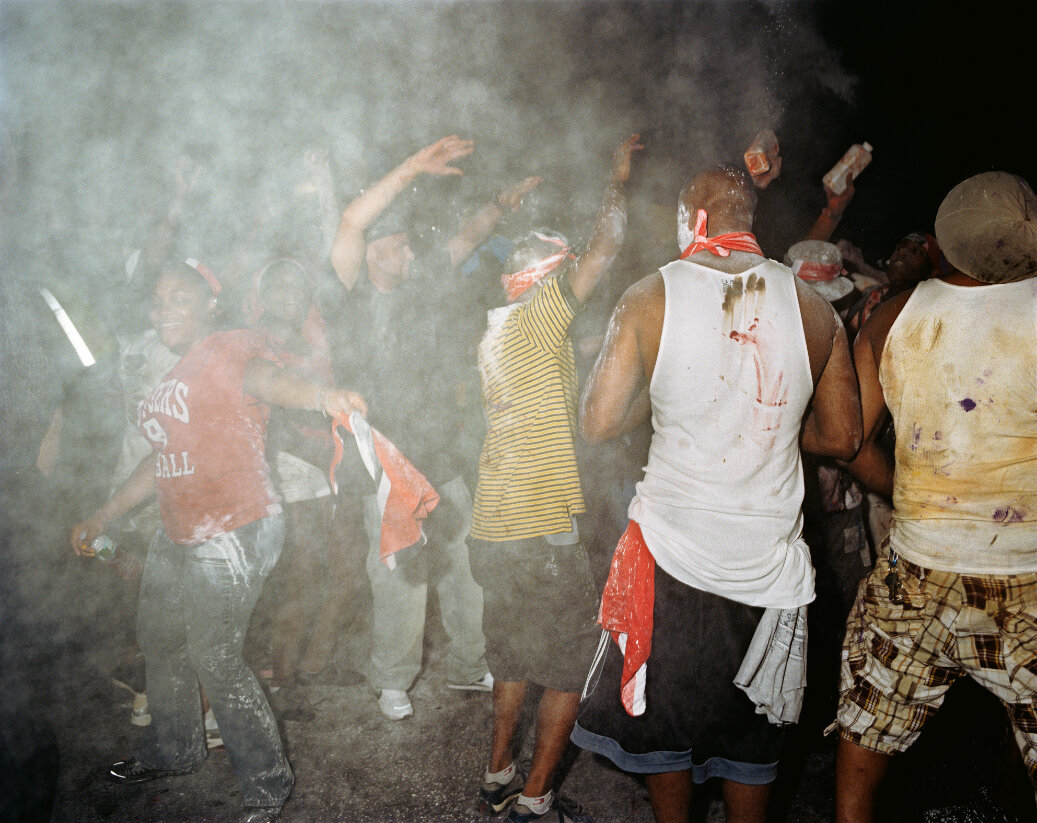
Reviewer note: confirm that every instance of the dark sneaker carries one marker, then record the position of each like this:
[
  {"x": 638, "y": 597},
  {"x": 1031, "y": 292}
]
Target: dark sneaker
[
  {"x": 561, "y": 811},
  {"x": 494, "y": 798},
  {"x": 133, "y": 771}
]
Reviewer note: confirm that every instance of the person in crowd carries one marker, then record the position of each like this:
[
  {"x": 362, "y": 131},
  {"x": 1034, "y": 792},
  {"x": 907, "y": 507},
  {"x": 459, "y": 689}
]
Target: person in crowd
[
  {"x": 222, "y": 532},
  {"x": 833, "y": 511},
  {"x": 952, "y": 361},
  {"x": 525, "y": 545},
  {"x": 915, "y": 258},
  {"x": 398, "y": 334},
  {"x": 323, "y": 533},
  {"x": 739, "y": 364},
  {"x": 142, "y": 362}
]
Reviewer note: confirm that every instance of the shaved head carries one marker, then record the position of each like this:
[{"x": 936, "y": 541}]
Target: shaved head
[{"x": 727, "y": 194}]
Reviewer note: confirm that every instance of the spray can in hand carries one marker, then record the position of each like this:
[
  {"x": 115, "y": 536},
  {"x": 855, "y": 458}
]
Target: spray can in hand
[{"x": 853, "y": 162}]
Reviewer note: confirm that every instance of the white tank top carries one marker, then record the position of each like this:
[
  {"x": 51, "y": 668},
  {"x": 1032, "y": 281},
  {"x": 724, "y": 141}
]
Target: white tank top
[
  {"x": 720, "y": 503},
  {"x": 959, "y": 374}
]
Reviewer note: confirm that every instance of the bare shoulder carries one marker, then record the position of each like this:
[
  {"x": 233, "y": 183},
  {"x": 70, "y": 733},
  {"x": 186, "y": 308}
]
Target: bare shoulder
[
  {"x": 876, "y": 328},
  {"x": 645, "y": 299},
  {"x": 821, "y": 325},
  {"x": 819, "y": 318}
]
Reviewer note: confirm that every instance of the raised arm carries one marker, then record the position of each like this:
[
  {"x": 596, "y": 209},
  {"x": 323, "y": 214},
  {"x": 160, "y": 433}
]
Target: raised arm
[
  {"x": 279, "y": 386},
  {"x": 616, "y": 399},
  {"x": 347, "y": 249},
  {"x": 473, "y": 231},
  {"x": 832, "y": 426},
  {"x": 610, "y": 227},
  {"x": 318, "y": 165},
  {"x": 832, "y": 212}
]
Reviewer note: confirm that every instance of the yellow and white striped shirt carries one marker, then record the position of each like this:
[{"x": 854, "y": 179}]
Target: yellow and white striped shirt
[{"x": 529, "y": 483}]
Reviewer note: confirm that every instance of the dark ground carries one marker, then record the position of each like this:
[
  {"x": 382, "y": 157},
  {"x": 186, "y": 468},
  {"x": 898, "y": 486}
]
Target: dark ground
[{"x": 65, "y": 721}]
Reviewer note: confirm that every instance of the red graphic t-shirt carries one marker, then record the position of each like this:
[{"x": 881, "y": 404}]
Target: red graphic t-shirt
[{"x": 210, "y": 470}]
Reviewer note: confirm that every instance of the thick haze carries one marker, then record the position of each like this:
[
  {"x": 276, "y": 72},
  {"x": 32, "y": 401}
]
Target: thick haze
[{"x": 98, "y": 100}]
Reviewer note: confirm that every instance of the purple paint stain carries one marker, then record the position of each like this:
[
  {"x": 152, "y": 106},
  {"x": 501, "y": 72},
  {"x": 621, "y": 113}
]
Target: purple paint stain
[
  {"x": 1009, "y": 514},
  {"x": 968, "y": 404},
  {"x": 916, "y": 436}
]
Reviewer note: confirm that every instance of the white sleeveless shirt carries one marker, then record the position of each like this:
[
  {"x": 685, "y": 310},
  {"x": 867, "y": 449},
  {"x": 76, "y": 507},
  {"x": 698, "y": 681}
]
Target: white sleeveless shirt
[
  {"x": 959, "y": 374},
  {"x": 720, "y": 503}
]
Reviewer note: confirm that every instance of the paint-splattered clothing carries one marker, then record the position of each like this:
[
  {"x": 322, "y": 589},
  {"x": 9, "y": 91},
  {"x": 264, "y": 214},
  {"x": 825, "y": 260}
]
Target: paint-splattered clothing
[
  {"x": 720, "y": 503},
  {"x": 209, "y": 437},
  {"x": 529, "y": 483},
  {"x": 900, "y": 658},
  {"x": 959, "y": 375}
]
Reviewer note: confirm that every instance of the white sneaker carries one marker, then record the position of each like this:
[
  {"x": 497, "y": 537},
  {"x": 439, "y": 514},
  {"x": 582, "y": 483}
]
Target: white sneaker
[
  {"x": 395, "y": 704},
  {"x": 483, "y": 684},
  {"x": 140, "y": 716}
]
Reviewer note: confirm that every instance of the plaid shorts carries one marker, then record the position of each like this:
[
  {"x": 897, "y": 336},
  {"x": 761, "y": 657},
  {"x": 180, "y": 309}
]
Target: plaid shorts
[{"x": 899, "y": 659}]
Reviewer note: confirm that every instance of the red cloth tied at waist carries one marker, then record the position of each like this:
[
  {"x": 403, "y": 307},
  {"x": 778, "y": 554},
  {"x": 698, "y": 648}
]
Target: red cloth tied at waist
[
  {"x": 626, "y": 610},
  {"x": 410, "y": 498},
  {"x": 723, "y": 244},
  {"x": 517, "y": 282}
]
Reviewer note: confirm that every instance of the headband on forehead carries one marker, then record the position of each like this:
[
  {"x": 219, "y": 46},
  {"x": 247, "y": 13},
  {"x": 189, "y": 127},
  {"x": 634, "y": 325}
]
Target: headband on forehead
[
  {"x": 207, "y": 273},
  {"x": 518, "y": 282}
]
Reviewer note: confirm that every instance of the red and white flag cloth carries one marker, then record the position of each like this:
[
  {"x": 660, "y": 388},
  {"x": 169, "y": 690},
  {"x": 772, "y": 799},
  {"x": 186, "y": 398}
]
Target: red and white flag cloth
[
  {"x": 626, "y": 613},
  {"x": 405, "y": 497}
]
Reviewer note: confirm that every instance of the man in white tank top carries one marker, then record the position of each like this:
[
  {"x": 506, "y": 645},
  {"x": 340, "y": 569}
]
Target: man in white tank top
[
  {"x": 955, "y": 363},
  {"x": 737, "y": 363}
]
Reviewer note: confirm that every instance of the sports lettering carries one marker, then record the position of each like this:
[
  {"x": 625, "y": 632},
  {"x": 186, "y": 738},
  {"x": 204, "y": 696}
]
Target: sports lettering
[
  {"x": 173, "y": 464},
  {"x": 154, "y": 432},
  {"x": 169, "y": 397}
]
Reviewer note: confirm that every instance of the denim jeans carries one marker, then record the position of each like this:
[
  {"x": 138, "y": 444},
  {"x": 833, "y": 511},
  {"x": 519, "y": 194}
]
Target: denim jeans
[
  {"x": 195, "y": 604},
  {"x": 399, "y": 601}
]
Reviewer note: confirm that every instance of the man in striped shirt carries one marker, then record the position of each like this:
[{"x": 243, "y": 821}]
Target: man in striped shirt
[{"x": 540, "y": 601}]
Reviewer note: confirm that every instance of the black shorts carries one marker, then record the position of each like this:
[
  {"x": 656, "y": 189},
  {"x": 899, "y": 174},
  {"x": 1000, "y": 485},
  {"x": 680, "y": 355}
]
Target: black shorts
[
  {"x": 696, "y": 718},
  {"x": 540, "y": 608}
]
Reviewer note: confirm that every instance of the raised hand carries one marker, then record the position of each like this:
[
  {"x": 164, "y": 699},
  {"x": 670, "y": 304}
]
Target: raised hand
[
  {"x": 511, "y": 198},
  {"x": 621, "y": 158},
  {"x": 343, "y": 401},
  {"x": 436, "y": 159}
]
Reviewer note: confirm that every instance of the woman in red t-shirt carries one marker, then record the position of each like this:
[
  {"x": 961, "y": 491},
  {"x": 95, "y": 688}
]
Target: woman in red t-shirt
[{"x": 222, "y": 534}]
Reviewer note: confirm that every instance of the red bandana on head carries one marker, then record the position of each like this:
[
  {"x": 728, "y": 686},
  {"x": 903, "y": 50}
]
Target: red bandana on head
[
  {"x": 207, "y": 273},
  {"x": 723, "y": 244},
  {"x": 517, "y": 282}
]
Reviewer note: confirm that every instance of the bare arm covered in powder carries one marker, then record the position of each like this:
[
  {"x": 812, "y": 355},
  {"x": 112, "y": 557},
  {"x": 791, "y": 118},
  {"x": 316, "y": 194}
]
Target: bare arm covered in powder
[
  {"x": 872, "y": 466},
  {"x": 832, "y": 426},
  {"x": 611, "y": 225},
  {"x": 279, "y": 386},
  {"x": 139, "y": 486},
  {"x": 347, "y": 250},
  {"x": 473, "y": 231},
  {"x": 616, "y": 399}
]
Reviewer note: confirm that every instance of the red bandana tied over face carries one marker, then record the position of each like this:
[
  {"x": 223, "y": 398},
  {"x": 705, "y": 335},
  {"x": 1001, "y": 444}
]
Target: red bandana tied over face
[
  {"x": 517, "y": 282},
  {"x": 723, "y": 244}
]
